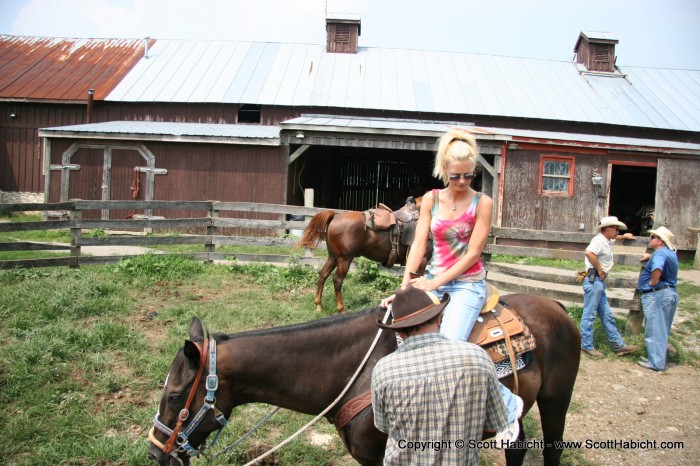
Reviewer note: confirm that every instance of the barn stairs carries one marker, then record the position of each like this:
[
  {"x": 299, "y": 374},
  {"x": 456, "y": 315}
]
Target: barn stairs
[{"x": 560, "y": 284}]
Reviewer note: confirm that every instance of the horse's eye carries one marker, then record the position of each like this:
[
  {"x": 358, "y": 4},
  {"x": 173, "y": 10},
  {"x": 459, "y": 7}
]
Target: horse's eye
[{"x": 174, "y": 397}]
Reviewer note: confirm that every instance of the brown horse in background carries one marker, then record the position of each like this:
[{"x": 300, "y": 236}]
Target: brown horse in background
[
  {"x": 346, "y": 238},
  {"x": 290, "y": 367}
]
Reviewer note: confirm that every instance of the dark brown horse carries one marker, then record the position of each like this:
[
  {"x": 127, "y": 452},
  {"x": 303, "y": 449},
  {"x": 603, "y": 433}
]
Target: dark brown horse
[
  {"x": 290, "y": 367},
  {"x": 347, "y": 237}
]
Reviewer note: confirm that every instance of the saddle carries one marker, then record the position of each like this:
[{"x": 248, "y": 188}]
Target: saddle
[
  {"x": 500, "y": 330},
  {"x": 401, "y": 225}
]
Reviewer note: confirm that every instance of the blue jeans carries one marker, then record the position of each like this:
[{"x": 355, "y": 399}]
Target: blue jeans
[
  {"x": 659, "y": 309},
  {"x": 466, "y": 300},
  {"x": 595, "y": 302}
]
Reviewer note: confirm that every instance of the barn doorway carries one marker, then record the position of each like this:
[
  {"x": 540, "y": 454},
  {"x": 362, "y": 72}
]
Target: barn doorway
[{"x": 632, "y": 195}]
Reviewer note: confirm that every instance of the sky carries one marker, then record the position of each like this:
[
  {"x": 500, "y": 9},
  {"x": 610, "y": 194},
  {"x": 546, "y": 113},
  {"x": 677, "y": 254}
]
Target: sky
[{"x": 652, "y": 33}]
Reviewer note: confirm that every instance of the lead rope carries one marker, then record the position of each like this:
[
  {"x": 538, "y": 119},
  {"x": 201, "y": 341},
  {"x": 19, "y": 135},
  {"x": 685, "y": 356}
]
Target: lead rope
[{"x": 325, "y": 411}]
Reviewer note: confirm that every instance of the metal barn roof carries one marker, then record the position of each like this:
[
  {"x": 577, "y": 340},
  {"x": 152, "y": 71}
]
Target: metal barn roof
[
  {"x": 283, "y": 74},
  {"x": 169, "y": 131},
  {"x": 340, "y": 124},
  {"x": 61, "y": 69}
]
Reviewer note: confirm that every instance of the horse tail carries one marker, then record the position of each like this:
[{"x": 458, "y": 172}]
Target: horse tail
[{"x": 316, "y": 229}]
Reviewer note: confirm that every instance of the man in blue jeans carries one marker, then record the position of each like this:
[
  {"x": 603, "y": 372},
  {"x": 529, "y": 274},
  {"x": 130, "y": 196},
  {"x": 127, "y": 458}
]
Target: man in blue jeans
[
  {"x": 599, "y": 263},
  {"x": 657, "y": 284}
]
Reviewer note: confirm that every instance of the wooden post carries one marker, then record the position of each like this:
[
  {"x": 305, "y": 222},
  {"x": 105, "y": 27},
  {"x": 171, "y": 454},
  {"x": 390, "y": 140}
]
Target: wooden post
[
  {"x": 75, "y": 215},
  {"x": 211, "y": 230},
  {"x": 308, "y": 202},
  {"x": 635, "y": 317},
  {"x": 696, "y": 259}
]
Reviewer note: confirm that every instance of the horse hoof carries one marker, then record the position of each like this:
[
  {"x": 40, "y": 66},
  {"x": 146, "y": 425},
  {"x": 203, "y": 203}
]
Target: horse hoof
[
  {"x": 341, "y": 311},
  {"x": 319, "y": 308}
]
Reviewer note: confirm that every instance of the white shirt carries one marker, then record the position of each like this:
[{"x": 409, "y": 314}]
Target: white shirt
[{"x": 602, "y": 248}]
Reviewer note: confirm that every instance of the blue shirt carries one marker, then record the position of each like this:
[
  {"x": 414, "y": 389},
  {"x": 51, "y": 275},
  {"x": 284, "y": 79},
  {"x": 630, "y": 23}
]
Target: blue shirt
[{"x": 665, "y": 260}]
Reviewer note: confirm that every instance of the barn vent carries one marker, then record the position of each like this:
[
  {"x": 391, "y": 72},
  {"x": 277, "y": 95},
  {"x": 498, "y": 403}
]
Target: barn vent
[
  {"x": 596, "y": 51},
  {"x": 342, "y": 31}
]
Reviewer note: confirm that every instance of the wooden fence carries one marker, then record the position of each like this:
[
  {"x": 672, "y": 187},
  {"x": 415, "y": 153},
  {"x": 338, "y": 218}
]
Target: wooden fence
[{"x": 506, "y": 241}]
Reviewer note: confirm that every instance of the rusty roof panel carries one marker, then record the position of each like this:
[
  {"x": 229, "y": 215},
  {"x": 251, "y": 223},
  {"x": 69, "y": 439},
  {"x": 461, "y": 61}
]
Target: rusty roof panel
[{"x": 44, "y": 68}]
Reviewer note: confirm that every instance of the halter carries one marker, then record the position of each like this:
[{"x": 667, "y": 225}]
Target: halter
[{"x": 182, "y": 437}]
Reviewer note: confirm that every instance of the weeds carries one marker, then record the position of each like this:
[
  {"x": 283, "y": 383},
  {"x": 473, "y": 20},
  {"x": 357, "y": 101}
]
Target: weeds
[{"x": 150, "y": 268}]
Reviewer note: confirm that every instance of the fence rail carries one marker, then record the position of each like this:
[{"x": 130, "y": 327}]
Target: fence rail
[{"x": 506, "y": 241}]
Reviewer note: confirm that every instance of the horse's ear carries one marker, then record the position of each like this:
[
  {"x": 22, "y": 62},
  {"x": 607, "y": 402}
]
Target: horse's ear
[
  {"x": 196, "y": 330},
  {"x": 191, "y": 353}
]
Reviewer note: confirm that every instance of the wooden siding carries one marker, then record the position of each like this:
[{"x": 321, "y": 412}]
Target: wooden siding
[
  {"x": 20, "y": 146},
  {"x": 525, "y": 207},
  {"x": 678, "y": 199},
  {"x": 195, "y": 172}
]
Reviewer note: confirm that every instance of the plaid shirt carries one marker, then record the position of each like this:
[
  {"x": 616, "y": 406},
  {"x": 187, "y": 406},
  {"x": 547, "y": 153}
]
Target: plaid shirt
[{"x": 431, "y": 393}]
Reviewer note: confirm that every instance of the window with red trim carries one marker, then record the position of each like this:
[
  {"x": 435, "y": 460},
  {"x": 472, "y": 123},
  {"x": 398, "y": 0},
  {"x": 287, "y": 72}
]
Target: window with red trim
[{"x": 557, "y": 175}]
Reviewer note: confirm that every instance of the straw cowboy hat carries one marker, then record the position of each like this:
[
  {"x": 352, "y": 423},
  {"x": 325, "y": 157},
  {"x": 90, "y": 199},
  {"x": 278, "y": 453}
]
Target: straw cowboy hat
[
  {"x": 665, "y": 235},
  {"x": 413, "y": 307},
  {"x": 610, "y": 222}
]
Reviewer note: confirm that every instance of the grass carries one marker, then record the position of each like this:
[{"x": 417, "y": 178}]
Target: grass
[{"x": 83, "y": 353}]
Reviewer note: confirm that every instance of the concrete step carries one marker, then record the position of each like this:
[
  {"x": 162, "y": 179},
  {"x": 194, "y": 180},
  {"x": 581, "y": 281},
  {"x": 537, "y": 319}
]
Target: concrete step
[{"x": 555, "y": 284}]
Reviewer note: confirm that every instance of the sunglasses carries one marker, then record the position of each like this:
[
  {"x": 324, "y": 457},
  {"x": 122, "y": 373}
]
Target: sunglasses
[{"x": 466, "y": 176}]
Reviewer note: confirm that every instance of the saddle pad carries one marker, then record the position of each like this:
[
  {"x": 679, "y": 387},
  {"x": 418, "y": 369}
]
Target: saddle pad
[{"x": 504, "y": 368}]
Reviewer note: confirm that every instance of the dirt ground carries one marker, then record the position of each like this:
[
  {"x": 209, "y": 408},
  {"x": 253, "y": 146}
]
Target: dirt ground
[{"x": 616, "y": 400}]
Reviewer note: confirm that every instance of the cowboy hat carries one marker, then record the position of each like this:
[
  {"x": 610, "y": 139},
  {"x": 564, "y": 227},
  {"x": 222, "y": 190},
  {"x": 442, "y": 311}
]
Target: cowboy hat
[
  {"x": 610, "y": 222},
  {"x": 413, "y": 307},
  {"x": 665, "y": 235}
]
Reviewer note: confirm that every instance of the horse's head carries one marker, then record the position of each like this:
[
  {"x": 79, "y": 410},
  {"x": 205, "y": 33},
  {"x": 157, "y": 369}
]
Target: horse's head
[{"x": 187, "y": 412}]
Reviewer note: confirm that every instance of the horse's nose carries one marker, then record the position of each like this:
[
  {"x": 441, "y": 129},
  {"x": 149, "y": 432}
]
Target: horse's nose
[{"x": 154, "y": 454}]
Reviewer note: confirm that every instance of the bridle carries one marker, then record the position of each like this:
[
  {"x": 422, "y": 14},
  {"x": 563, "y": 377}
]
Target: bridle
[{"x": 179, "y": 434}]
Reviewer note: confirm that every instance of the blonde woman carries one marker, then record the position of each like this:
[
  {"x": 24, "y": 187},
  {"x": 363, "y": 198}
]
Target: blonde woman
[{"x": 459, "y": 219}]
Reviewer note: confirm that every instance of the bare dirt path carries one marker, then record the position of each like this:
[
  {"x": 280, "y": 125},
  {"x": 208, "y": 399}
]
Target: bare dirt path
[{"x": 617, "y": 403}]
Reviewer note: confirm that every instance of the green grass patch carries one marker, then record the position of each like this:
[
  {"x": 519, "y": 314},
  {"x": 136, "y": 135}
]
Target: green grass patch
[{"x": 84, "y": 351}]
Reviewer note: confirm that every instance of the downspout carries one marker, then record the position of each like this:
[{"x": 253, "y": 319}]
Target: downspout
[{"x": 91, "y": 93}]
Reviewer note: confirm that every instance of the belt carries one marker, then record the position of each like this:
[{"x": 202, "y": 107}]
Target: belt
[{"x": 656, "y": 289}]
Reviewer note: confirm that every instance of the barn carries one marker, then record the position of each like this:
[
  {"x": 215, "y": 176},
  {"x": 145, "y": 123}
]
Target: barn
[{"x": 563, "y": 143}]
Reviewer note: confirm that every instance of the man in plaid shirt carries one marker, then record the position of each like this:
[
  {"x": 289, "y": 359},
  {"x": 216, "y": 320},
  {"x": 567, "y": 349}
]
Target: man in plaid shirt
[{"x": 434, "y": 397}]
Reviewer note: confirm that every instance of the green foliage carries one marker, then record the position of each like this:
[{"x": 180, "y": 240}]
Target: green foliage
[
  {"x": 372, "y": 273},
  {"x": 294, "y": 277},
  {"x": 96, "y": 233},
  {"x": 149, "y": 268}
]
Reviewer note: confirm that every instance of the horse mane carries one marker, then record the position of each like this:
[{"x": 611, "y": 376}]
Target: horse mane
[{"x": 338, "y": 319}]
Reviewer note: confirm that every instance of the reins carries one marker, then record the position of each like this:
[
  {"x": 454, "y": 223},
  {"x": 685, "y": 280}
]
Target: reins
[
  {"x": 212, "y": 383},
  {"x": 333, "y": 403}
]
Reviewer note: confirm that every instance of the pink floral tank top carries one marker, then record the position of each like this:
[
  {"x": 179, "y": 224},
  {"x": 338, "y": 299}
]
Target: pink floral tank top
[{"x": 451, "y": 240}]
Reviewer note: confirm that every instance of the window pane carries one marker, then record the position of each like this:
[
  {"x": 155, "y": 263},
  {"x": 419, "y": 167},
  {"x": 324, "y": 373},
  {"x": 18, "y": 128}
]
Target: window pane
[
  {"x": 555, "y": 184},
  {"x": 556, "y": 168}
]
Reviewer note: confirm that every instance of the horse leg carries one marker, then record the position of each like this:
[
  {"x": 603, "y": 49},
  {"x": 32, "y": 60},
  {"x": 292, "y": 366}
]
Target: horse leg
[
  {"x": 516, "y": 456},
  {"x": 338, "y": 278},
  {"x": 553, "y": 414},
  {"x": 328, "y": 267}
]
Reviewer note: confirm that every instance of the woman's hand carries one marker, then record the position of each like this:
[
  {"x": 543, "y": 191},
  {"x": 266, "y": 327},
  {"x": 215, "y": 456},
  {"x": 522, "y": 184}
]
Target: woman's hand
[{"x": 422, "y": 283}]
